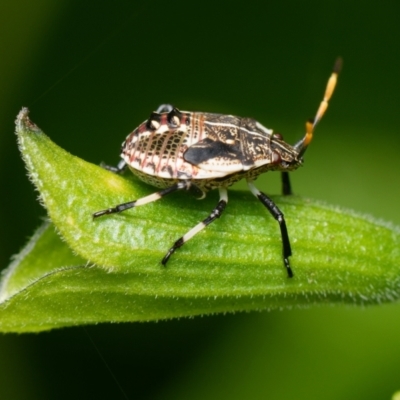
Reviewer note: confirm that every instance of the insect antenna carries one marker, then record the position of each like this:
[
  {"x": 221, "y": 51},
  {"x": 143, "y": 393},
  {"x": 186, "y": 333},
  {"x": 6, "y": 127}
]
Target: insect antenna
[{"x": 302, "y": 145}]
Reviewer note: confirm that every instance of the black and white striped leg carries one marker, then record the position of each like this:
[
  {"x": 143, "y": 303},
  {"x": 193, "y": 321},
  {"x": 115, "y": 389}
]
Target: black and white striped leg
[
  {"x": 286, "y": 186},
  {"x": 164, "y": 108},
  {"x": 121, "y": 167},
  {"x": 277, "y": 214},
  {"x": 216, "y": 213},
  {"x": 144, "y": 200}
]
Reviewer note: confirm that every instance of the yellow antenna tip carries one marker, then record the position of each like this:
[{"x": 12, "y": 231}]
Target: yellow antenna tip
[{"x": 301, "y": 146}]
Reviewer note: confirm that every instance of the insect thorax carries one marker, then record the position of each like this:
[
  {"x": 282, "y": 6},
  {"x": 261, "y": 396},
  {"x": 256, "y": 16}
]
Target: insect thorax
[{"x": 210, "y": 150}]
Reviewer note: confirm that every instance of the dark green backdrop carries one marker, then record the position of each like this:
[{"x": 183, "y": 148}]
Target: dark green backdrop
[{"x": 91, "y": 71}]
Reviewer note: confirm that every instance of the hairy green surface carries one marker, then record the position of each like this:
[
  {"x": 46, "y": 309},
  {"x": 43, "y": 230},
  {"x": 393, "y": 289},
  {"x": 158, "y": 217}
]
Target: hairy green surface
[{"x": 109, "y": 269}]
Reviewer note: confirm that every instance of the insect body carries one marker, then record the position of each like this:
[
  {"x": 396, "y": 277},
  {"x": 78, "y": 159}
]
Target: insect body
[{"x": 176, "y": 150}]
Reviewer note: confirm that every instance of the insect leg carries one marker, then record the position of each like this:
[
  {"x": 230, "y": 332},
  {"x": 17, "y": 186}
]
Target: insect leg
[
  {"x": 121, "y": 167},
  {"x": 164, "y": 108},
  {"x": 144, "y": 200},
  {"x": 278, "y": 215},
  {"x": 216, "y": 213},
  {"x": 286, "y": 186}
]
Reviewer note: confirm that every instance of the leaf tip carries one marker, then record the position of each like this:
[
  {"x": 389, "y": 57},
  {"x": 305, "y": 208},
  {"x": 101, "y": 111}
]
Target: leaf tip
[{"x": 23, "y": 123}]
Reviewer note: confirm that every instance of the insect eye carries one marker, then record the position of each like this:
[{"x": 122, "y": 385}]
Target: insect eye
[
  {"x": 153, "y": 123},
  {"x": 278, "y": 136},
  {"x": 174, "y": 118}
]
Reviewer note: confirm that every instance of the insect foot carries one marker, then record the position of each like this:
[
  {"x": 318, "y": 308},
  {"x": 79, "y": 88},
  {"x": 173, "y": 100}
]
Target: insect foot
[{"x": 175, "y": 150}]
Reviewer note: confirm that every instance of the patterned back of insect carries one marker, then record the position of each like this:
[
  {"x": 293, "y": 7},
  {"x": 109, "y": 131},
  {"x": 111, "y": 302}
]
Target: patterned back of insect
[
  {"x": 203, "y": 147},
  {"x": 156, "y": 147}
]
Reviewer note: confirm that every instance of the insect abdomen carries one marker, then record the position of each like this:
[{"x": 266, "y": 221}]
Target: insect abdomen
[{"x": 156, "y": 147}]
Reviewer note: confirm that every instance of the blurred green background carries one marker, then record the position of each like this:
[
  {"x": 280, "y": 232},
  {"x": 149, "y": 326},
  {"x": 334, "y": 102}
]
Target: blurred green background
[{"x": 91, "y": 71}]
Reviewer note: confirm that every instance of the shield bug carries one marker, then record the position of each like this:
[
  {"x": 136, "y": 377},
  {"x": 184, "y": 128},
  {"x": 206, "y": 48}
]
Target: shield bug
[{"x": 175, "y": 150}]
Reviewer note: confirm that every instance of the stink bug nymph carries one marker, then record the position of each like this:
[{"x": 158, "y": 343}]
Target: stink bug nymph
[{"x": 175, "y": 150}]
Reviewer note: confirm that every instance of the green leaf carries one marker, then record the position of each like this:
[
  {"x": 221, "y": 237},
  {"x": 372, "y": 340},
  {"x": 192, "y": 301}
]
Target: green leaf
[
  {"x": 109, "y": 269},
  {"x": 43, "y": 254}
]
